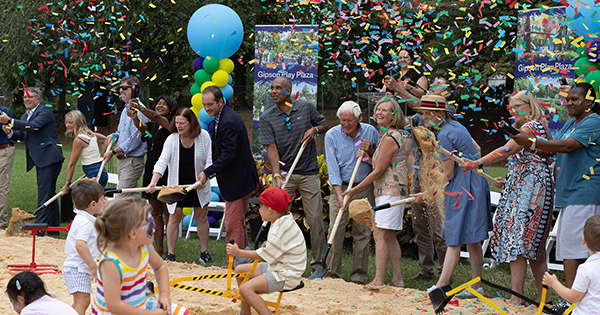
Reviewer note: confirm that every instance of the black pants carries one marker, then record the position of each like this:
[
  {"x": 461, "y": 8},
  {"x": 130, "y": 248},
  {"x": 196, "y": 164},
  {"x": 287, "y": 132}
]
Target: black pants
[{"x": 46, "y": 184}]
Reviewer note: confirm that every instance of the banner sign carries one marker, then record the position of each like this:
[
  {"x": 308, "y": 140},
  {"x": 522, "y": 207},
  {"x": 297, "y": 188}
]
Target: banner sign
[
  {"x": 289, "y": 51},
  {"x": 544, "y": 56}
]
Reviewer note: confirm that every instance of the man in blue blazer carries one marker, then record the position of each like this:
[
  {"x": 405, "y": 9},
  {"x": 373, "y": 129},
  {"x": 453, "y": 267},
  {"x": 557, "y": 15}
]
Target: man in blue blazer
[
  {"x": 233, "y": 163},
  {"x": 38, "y": 129}
]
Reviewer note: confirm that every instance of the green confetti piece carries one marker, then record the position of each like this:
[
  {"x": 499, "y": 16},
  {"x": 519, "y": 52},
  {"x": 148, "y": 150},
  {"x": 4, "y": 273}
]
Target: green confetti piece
[
  {"x": 394, "y": 112},
  {"x": 148, "y": 134},
  {"x": 384, "y": 130}
]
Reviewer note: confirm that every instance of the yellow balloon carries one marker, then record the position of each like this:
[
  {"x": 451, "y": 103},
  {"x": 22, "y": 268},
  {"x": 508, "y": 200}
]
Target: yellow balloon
[
  {"x": 187, "y": 210},
  {"x": 197, "y": 101},
  {"x": 205, "y": 85},
  {"x": 220, "y": 78},
  {"x": 196, "y": 111},
  {"x": 226, "y": 65}
]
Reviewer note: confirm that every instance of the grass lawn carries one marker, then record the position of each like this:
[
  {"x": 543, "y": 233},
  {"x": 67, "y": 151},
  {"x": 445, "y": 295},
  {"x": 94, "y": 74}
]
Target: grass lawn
[{"x": 23, "y": 194}]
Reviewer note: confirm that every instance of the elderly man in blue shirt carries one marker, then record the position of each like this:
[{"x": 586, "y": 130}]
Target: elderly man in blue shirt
[
  {"x": 341, "y": 144},
  {"x": 7, "y": 156},
  {"x": 129, "y": 147}
]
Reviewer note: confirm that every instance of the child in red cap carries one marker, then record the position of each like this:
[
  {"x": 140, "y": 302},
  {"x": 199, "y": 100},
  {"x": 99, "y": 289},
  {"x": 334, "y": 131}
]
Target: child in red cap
[{"x": 284, "y": 253}]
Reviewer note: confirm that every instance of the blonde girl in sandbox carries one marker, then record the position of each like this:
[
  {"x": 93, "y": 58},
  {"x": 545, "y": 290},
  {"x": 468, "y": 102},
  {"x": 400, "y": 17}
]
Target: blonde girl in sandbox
[{"x": 125, "y": 231}]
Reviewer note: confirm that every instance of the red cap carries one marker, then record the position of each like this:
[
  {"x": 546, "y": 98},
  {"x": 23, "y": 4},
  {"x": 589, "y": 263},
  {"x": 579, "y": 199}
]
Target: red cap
[{"x": 274, "y": 198}]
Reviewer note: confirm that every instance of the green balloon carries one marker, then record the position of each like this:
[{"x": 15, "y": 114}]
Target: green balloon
[
  {"x": 582, "y": 66},
  {"x": 581, "y": 51},
  {"x": 195, "y": 89},
  {"x": 202, "y": 76},
  {"x": 593, "y": 78},
  {"x": 211, "y": 64}
]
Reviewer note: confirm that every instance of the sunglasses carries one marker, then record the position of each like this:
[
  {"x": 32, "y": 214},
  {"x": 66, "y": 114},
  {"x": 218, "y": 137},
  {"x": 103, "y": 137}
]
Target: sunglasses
[
  {"x": 124, "y": 87},
  {"x": 288, "y": 125}
]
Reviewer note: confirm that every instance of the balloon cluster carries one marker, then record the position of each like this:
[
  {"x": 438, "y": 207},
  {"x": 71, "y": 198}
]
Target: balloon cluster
[
  {"x": 215, "y": 32},
  {"x": 213, "y": 216},
  {"x": 580, "y": 16}
]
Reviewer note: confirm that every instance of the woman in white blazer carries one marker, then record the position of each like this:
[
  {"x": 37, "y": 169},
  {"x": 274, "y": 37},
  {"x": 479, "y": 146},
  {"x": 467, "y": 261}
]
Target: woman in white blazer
[{"x": 187, "y": 149}]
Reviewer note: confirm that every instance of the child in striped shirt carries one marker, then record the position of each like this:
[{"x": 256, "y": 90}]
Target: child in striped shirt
[
  {"x": 284, "y": 253},
  {"x": 125, "y": 231}
]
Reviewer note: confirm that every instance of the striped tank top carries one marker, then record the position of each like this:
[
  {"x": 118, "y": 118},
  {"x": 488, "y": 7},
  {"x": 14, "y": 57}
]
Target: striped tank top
[{"x": 133, "y": 283}]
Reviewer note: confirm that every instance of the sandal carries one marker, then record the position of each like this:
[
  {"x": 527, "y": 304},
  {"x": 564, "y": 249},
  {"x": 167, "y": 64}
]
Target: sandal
[{"x": 375, "y": 285}]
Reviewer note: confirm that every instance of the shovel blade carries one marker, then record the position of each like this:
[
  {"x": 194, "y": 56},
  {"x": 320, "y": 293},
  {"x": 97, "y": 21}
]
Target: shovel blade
[
  {"x": 439, "y": 299},
  {"x": 319, "y": 273}
]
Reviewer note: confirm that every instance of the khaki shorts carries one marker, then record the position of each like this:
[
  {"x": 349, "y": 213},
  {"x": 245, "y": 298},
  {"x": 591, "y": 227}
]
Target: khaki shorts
[{"x": 274, "y": 285}]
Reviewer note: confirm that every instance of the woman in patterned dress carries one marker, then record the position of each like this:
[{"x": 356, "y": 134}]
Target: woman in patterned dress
[
  {"x": 391, "y": 163},
  {"x": 524, "y": 213}
]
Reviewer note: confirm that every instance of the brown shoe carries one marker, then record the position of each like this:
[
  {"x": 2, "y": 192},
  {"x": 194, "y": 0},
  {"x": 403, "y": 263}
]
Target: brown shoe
[{"x": 418, "y": 276}]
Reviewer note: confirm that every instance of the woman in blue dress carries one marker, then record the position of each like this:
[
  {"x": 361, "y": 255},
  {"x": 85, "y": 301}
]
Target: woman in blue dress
[{"x": 467, "y": 207}]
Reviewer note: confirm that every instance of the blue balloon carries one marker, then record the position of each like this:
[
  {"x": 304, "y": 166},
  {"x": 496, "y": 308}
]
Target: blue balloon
[
  {"x": 204, "y": 126},
  {"x": 583, "y": 16},
  {"x": 186, "y": 221},
  {"x": 203, "y": 117},
  {"x": 216, "y": 190},
  {"x": 230, "y": 80},
  {"x": 197, "y": 64},
  {"x": 214, "y": 196},
  {"x": 227, "y": 91},
  {"x": 215, "y": 30}
]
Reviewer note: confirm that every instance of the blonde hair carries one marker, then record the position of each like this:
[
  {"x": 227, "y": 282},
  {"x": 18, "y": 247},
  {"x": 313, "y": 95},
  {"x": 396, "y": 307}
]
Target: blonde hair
[
  {"x": 118, "y": 218},
  {"x": 80, "y": 124},
  {"x": 399, "y": 121},
  {"x": 528, "y": 98}
]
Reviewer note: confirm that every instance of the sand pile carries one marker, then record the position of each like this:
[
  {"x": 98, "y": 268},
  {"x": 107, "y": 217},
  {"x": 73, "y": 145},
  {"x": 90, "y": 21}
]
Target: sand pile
[
  {"x": 317, "y": 297},
  {"x": 14, "y": 227}
]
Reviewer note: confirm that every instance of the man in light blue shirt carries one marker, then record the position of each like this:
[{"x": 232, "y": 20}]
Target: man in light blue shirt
[
  {"x": 341, "y": 144},
  {"x": 129, "y": 147}
]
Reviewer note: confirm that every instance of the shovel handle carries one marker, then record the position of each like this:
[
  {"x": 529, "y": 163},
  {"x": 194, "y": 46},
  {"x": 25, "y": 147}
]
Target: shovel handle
[
  {"x": 192, "y": 187},
  {"x": 143, "y": 189},
  {"x": 110, "y": 144},
  {"x": 395, "y": 203},
  {"x": 289, "y": 174},
  {"x": 461, "y": 161}
]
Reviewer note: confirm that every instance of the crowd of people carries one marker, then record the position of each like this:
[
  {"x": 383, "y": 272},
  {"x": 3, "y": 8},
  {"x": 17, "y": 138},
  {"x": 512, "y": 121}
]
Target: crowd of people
[{"x": 167, "y": 142}]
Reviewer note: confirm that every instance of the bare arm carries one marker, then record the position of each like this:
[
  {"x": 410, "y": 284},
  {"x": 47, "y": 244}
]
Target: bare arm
[
  {"x": 559, "y": 146},
  {"x": 162, "y": 278},
  {"x": 476, "y": 146},
  {"x": 387, "y": 148},
  {"x": 78, "y": 145},
  {"x": 569, "y": 295},
  {"x": 84, "y": 253},
  {"x": 273, "y": 156},
  {"x": 234, "y": 250},
  {"x": 448, "y": 168}
]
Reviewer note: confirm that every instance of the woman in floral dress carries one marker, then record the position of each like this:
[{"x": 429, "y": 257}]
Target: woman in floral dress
[{"x": 524, "y": 214}]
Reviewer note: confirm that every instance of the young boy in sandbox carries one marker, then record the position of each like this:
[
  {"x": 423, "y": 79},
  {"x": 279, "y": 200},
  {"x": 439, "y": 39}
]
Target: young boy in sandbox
[
  {"x": 80, "y": 267},
  {"x": 586, "y": 287},
  {"x": 284, "y": 253}
]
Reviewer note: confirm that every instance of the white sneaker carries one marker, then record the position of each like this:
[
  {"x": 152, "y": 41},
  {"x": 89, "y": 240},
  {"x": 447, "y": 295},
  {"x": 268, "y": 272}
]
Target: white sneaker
[
  {"x": 433, "y": 287},
  {"x": 466, "y": 294}
]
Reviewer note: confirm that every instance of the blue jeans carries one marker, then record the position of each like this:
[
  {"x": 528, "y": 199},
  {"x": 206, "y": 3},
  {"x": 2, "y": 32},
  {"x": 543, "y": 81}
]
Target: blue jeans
[{"x": 91, "y": 171}]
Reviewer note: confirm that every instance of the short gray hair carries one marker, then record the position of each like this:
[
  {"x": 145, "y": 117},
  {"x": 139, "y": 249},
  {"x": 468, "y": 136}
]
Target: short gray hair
[
  {"x": 33, "y": 90},
  {"x": 349, "y": 107}
]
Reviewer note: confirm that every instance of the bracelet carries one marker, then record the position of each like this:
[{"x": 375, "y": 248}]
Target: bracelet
[
  {"x": 68, "y": 183},
  {"x": 532, "y": 147},
  {"x": 480, "y": 163},
  {"x": 277, "y": 175},
  {"x": 317, "y": 129},
  {"x": 113, "y": 151}
]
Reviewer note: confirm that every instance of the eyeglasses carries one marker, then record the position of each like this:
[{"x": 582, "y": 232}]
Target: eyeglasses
[
  {"x": 288, "y": 125},
  {"x": 124, "y": 87}
]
